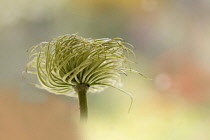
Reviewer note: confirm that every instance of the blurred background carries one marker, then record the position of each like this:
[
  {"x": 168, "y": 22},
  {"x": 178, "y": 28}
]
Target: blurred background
[{"x": 171, "y": 39}]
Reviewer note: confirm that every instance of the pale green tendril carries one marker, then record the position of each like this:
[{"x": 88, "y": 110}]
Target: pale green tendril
[{"x": 70, "y": 60}]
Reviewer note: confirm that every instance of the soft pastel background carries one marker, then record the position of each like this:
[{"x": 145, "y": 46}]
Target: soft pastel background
[{"x": 172, "y": 43}]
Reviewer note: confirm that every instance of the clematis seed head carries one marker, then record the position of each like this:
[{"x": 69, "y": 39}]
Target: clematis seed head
[{"x": 71, "y": 60}]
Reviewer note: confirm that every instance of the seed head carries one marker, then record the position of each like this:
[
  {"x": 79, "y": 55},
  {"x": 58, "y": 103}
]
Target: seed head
[{"x": 70, "y": 60}]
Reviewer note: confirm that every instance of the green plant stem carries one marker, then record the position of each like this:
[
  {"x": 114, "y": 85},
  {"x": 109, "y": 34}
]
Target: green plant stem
[{"x": 81, "y": 90}]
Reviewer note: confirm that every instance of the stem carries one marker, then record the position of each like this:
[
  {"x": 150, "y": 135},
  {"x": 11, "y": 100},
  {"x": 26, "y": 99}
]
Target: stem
[{"x": 81, "y": 90}]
